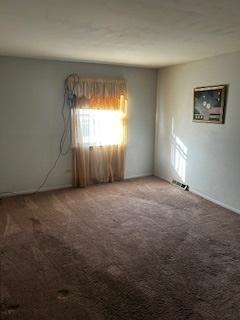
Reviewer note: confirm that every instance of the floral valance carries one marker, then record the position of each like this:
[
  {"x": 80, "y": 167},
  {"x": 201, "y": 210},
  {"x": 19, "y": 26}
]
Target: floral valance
[{"x": 96, "y": 93}]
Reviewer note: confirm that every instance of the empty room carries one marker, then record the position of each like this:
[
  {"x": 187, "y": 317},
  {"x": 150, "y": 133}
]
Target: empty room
[{"x": 119, "y": 160}]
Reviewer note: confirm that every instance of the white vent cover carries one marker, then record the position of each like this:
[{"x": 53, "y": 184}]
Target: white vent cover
[{"x": 180, "y": 185}]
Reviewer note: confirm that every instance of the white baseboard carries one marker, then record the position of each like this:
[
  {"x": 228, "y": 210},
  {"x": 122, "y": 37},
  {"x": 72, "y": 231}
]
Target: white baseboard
[
  {"x": 29, "y": 191},
  {"x": 199, "y": 193},
  {"x": 193, "y": 190},
  {"x": 138, "y": 176},
  {"x": 224, "y": 205},
  {"x": 161, "y": 177}
]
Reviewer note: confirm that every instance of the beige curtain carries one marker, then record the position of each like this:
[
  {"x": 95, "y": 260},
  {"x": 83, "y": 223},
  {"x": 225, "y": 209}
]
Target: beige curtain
[{"x": 99, "y": 129}]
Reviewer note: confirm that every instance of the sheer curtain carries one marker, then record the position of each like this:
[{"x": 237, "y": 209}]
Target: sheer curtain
[{"x": 98, "y": 121}]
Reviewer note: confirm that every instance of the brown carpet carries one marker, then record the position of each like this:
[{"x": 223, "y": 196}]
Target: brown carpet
[{"x": 139, "y": 249}]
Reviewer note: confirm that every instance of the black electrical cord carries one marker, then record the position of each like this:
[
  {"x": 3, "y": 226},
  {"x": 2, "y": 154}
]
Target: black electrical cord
[
  {"x": 61, "y": 152},
  {"x": 48, "y": 174},
  {"x": 66, "y": 133}
]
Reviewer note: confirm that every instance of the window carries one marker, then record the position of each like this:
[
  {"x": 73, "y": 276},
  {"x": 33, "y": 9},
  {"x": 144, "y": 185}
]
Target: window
[{"x": 99, "y": 127}]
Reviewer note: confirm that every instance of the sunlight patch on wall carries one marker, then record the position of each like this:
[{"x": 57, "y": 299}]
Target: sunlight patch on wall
[{"x": 178, "y": 155}]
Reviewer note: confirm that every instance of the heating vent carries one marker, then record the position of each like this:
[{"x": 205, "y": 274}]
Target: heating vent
[{"x": 180, "y": 185}]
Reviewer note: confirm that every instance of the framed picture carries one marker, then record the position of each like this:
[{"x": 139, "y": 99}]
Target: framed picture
[{"x": 209, "y": 104}]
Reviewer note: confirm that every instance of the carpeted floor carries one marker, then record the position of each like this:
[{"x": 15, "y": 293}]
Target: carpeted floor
[{"x": 139, "y": 249}]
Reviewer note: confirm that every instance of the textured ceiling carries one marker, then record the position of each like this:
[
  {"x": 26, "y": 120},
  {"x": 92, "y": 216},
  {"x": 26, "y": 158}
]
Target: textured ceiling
[{"x": 137, "y": 32}]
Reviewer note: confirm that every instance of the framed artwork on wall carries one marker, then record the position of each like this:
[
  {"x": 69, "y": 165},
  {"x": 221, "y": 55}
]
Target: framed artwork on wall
[{"x": 209, "y": 104}]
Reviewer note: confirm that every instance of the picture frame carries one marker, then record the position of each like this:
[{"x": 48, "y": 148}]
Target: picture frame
[{"x": 209, "y": 104}]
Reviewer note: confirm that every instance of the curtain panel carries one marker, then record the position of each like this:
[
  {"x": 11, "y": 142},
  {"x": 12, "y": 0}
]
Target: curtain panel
[{"x": 99, "y": 129}]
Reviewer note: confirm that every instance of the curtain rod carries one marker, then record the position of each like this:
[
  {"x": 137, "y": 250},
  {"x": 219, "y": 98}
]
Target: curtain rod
[{"x": 74, "y": 75}]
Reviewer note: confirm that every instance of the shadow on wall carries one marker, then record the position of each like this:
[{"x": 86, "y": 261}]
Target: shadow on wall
[{"x": 178, "y": 156}]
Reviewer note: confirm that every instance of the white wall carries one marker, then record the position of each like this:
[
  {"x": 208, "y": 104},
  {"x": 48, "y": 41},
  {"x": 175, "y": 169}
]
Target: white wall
[
  {"x": 31, "y": 95},
  {"x": 208, "y": 153}
]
